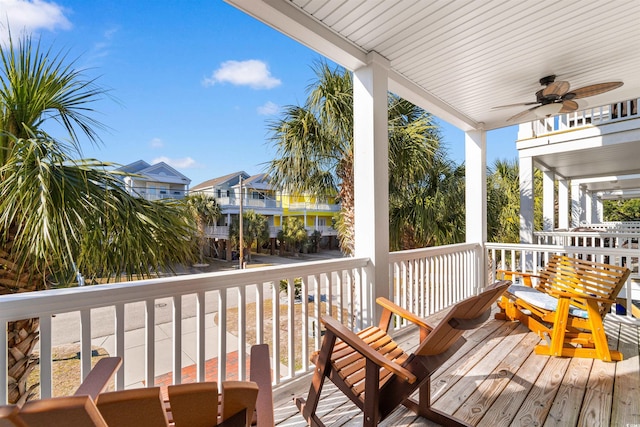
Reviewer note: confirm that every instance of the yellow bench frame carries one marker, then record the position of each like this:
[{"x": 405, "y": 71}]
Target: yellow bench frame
[{"x": 574, "y": 283}]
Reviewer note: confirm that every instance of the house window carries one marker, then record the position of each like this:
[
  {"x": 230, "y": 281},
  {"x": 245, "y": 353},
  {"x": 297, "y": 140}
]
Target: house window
[{"x": 219, "y": 193}]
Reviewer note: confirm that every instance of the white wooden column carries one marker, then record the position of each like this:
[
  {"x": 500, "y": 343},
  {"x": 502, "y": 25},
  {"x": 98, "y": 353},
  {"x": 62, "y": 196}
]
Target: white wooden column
[
  {"x": 588, "y": 206},
  {"x": 475, "y": 153},
  {"x": 563, "y": 204},
  {"x": 371, "y": 177},
  {"x": 599, "y": 210},
  {"x": 577, "y": 210},
  {"x": 548, "y": 201},
  {"x": 526, "y": 199}
]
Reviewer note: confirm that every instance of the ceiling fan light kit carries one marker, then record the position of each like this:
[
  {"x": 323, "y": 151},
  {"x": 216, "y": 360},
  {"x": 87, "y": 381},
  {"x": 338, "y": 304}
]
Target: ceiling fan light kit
[{"x": 548, "y": 109}]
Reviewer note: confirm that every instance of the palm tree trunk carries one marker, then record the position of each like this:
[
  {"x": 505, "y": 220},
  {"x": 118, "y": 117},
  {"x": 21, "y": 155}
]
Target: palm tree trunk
[{"x": 23, "y": 334}]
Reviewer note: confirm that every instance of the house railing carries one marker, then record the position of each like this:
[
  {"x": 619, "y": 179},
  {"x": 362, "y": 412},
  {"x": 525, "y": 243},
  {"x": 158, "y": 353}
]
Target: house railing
[
  {"x": 428, "y": 280},
  {"x": 315, "y": 206},
  {"x": 588, "y": 117},
  {"x": 247, "y": 296},
  {"x": 202, "y": 319}
]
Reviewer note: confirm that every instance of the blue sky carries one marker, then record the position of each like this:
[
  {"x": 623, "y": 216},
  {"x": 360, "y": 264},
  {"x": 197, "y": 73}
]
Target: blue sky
[{"x": 193, "y": 84}]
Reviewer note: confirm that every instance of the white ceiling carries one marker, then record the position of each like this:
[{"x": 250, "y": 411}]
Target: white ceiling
[{"x": 459, "y": 59}]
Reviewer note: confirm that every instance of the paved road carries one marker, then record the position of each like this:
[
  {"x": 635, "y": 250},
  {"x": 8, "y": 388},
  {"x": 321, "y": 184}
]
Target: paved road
[{"x": 66, "y": 326}]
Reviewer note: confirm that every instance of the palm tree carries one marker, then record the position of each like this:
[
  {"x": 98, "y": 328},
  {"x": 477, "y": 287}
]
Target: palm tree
[
  {"x": 314, "y": 145},
  {"x": 254, "y": 229},
  {"x": 204, "y": 209},
  {"x": 293, "y": 234},
  {"x": 60, "y": 216}
]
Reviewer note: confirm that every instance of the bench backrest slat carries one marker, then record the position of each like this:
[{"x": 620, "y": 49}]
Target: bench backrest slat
[{"x": 578, "y": 276}]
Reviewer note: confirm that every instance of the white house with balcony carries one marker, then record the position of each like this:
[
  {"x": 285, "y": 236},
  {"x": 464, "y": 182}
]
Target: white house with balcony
[{"x": 154, "y": 182}]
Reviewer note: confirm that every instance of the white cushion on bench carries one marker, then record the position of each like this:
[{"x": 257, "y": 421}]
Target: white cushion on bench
[{"x": 542, "y": 300}]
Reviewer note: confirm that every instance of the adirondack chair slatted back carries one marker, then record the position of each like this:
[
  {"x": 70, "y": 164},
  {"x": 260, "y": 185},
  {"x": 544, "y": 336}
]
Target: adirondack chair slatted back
[
  {"x": 571, "y": 275},
  {"x": 465, "y": 315}
]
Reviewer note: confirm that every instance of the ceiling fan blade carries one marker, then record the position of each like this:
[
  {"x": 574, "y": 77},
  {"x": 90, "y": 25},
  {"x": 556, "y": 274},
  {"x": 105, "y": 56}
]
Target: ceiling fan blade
[
  {"x": 596, "y": 89},
  {"x": 569, "y": 106},
  {"x": 521, "y": 114},
  {"x": 521, "y": 104},
  {"x": 556, "y": 88}
]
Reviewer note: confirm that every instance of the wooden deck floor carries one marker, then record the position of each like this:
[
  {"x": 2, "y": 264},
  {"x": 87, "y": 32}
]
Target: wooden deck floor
[{"x": 497, "y": 380}]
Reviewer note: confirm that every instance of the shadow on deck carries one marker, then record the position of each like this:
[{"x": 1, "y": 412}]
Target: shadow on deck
[{"x": 497, "y": 380}]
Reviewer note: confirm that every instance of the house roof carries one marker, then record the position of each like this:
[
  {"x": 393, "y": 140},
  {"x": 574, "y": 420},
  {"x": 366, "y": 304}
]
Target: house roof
[
  {"x": 461, "y": 59},
  {"x": 229, "y": 179},
  {"x": 160, "y": 172}
]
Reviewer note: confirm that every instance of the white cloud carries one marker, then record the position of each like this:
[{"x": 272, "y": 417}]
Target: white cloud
[
  {"x": 268, "y": 109},
  {"x": 253, "y": 73},
  {"x": 30, "y": 16},
  {"x": 156, "y": 143},
  {"x": 184, "y": 163}
]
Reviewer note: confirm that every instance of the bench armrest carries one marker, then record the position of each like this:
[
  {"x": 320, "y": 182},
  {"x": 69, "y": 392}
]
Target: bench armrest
[
  {"x": 509, "y": 275},
  {"x": 361, "y": 347}
]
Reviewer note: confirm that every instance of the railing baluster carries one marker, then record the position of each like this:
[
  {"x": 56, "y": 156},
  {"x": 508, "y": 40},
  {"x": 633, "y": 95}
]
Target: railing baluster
[
  {"x": 85, "y": 342},
  {"x": 150, "y": 341},
  {"x": 242, "y": 326},
  {"x": 45, "y": 357},
  {"x": 305, "y": 323},
  {"x": 222, "y": 335},
  {"x": 260, "y": 313},
  {"x": 119, "y": 317},
  {"x": 291, "y": 327},
  {"x": 275, "y": 330},
  {"x": 176, "y": 314}
]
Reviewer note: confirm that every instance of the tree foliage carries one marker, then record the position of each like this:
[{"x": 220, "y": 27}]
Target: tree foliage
[
  {"x": 203, "y": 210},
  {"x": 293, "y": 234},
  {"x": 621, "y": 210},
  {"x": 314, "y": 154},
  {"x": 255, "y": 228}
]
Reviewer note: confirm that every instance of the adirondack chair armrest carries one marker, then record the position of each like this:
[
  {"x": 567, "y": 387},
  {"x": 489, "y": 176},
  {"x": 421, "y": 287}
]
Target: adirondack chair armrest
[
  {"x": 510, "y": 275},
  {"x": 405, "y": 314},
  {"x": 98, "y": 378},
  {"x": 361, "y": 347}
]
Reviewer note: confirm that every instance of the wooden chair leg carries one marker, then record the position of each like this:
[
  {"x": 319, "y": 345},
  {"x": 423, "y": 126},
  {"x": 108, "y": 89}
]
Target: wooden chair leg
[
  {"x": 423, "y": 408},
  {"x": 323, "y": 367},
  {"x": 371, "y": 409}
]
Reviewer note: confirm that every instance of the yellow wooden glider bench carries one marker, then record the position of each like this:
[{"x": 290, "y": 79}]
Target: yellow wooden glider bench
[{"x": 565, "y": 304}]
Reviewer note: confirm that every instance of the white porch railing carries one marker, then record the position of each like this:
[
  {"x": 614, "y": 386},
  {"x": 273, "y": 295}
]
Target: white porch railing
[
  {"x": 209, "y": 316},
  {"x": 336, "y": 286},
  {"x": 588, "y": 117},
  {"x": 428, "y": 280}
]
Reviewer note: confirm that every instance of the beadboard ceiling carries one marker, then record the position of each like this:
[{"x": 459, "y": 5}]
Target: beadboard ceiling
[{"x": 459, "y": 59}]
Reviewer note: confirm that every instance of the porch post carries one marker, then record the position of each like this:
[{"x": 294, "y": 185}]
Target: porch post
[
  {"x": 576, "y": 205},
  {"x": 563, "y": 204},
  {"x": 549, "y": 201},
  {"x": 475, "y": 153},
  {"x": 526, "y": 199},
  {"x": 599, "y": 210},
  {"x": 371, "y": 179},
  {"x": 588, "y": 206}
]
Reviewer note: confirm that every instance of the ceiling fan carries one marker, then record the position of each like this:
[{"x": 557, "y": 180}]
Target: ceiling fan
[{"x": 556, "y": 97}]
